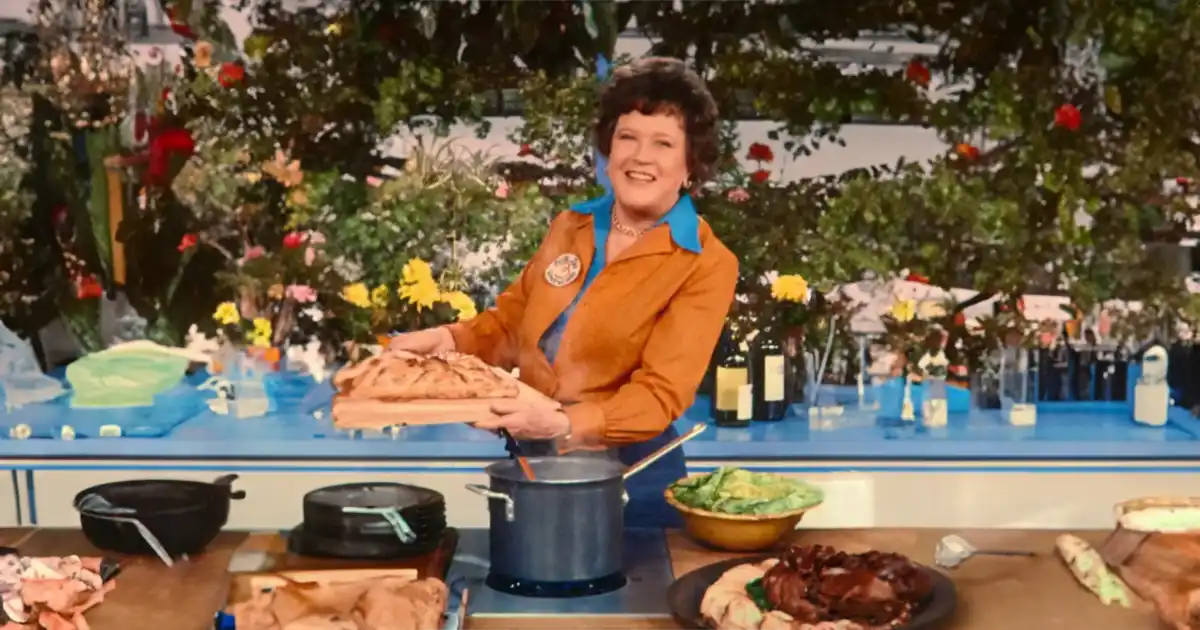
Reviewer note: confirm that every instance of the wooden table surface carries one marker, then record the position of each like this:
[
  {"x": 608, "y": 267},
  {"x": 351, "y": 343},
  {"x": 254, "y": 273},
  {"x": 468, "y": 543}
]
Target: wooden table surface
[
  {"x": 995, "y": 593},
  {"x": 148, "y": 596}
]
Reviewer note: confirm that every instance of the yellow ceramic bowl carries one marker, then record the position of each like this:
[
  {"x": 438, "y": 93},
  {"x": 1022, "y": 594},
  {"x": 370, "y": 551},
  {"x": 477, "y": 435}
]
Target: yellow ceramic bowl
[{"x": 737, "y": 532}]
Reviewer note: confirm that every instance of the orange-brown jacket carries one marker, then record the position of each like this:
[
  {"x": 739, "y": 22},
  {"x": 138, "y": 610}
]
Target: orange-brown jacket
[{"x": 639, "y": 340}]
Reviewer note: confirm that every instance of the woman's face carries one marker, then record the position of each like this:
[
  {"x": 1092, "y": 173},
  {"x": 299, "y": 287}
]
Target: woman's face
[{"x": 647, "y": 163}]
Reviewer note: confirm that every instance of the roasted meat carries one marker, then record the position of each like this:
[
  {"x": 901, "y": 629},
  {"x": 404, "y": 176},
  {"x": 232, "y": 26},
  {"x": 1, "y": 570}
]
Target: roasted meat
[{"x": 815, "y": 583}]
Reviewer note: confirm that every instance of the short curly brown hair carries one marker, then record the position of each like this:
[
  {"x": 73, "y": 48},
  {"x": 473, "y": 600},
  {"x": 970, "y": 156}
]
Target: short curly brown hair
[{"x": 655, "y": 85}]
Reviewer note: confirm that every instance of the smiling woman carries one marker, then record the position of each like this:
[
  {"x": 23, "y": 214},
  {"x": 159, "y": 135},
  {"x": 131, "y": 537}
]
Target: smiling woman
[{"x": 617, "y": 314}]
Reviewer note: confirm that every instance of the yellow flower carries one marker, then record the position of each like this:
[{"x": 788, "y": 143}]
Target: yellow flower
[
  {"x": 261, "y": 336},
  {"x": 253, "y": 178},
  {"x": 379, "y": 296},
  {"x": 227, "y": 314},
  {"x": 284, "y": 170},
  {"x": 931, "y": 309},
  {"x": 417, "y": 271},
  {"x": 202, "y": 55},
  {"x": 357, "y": 294},
  {"x": 422, "y": 294},
  {"x": 904, "y": 310},
  {"x": 462, "y": 304},
  {"x": 790, "y": 288}
]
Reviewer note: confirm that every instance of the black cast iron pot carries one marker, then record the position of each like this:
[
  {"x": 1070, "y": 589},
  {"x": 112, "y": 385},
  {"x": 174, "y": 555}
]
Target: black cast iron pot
[{"x": 185, "y": 516}]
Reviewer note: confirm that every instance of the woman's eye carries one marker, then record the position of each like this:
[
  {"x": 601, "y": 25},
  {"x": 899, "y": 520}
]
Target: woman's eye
[{"x": 664, "y": 143}]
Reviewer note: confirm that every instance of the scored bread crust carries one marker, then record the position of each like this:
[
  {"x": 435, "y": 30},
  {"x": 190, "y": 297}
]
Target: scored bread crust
[{"x": 397, "y": 377}]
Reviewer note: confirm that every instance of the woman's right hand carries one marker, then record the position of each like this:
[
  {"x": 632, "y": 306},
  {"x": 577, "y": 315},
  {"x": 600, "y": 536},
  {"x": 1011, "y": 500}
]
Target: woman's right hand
[{"x": 425, "y": 342}]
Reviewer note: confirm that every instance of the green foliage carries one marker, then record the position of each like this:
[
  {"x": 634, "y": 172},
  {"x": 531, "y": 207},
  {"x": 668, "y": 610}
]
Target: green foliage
[{"x": 449, "y": 208}]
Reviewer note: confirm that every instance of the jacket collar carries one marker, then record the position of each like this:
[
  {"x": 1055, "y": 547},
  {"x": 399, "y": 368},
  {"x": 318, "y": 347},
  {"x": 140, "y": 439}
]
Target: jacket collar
[{"x": 681, "y": 219}]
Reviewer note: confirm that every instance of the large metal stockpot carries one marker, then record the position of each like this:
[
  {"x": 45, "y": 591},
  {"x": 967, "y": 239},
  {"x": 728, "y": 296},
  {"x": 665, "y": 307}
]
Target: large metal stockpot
[{"x": 567, "y": 526}]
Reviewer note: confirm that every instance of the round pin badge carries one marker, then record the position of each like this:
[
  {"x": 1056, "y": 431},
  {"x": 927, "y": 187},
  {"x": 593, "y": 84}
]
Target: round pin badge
[{"x": 563, "y": 270}]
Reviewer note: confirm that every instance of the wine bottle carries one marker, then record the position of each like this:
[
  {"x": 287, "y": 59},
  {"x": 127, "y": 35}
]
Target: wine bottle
[
  {"x": 768, "y": 374},
  {"x": 733, "y": 371}
]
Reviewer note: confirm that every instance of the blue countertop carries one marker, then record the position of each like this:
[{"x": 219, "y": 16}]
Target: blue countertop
[{"x": 1064, "y": 431}]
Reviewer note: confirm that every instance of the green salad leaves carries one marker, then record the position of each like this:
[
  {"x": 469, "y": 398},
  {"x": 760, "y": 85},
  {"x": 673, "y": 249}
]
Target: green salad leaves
[{"x": 736, "y": 491}]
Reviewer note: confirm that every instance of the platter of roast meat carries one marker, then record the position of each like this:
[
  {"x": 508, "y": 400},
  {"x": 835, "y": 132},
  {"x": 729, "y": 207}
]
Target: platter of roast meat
[{"x": 814, "y": 587}]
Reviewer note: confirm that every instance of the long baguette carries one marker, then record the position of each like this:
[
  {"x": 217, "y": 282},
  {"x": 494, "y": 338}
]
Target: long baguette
[{"x": 1089, "y": 569}]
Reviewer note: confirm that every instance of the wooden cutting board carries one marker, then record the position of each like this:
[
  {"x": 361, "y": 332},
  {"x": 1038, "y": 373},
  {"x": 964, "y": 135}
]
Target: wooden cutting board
[
  {"x": 276, "y": 563},
  {"x": 351, "y": 413},
  {"x": 1163, "y": 568}
]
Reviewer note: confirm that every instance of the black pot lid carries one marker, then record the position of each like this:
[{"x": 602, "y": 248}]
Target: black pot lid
[
  {"x": 373, "y": 548},
  {"x": 374, "y": 495}
]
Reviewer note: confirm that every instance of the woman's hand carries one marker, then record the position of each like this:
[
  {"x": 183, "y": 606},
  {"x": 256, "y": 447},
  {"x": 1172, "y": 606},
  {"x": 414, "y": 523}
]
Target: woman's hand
[
  {"x": 428, "y": 341},
  {"x": 526, "y": 421}
]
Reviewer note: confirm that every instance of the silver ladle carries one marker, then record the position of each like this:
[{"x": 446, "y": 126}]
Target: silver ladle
[{"x": 953, "y": 550}]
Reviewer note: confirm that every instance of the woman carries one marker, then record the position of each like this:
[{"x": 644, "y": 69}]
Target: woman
[{"x": 617, "y": 313}]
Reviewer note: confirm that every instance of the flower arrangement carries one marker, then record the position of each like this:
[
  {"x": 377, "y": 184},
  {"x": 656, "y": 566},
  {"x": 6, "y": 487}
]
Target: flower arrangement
[
  {"x": 16, "y": 207},
  {"x": 418, "y": 300},
  {"x": 283, "y": 297}
]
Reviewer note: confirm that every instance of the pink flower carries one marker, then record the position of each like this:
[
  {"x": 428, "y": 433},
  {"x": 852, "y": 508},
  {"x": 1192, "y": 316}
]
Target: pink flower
[
  {"x": 374, "y": 182},
  {"x": 302, "y": 293},
  {"x": 253, "y": 252},
  {"x": 738, "y": 195},
  {"x": 502, "y": 191},
  {"x": 316, "y": 238},
  {"x": 310, "y": 256}
]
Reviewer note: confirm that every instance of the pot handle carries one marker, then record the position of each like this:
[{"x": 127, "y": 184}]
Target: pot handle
[
  {"x": 510, "y": 512},
  {"x": 226, "y": 481}
]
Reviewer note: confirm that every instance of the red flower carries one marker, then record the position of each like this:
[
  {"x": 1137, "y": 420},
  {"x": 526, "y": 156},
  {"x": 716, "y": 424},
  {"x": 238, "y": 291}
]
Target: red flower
[
  {"x": 916, "y": 277},
  {"x": 1183, "y": 182},
  {"x": 230, "y": 74},
  {"x": 163, "y": 146},
  {"x": 293, "y": 240},
  {"x": 187, "y": 242},
  {"x": 760, "y": 176},
  {"x": 1068, "y": 117},
  {"x": 88, "y": 288},
  {"x": 525, "y": 150},
  {"x": 967, "y": 152},
  {"x": 960, "y": 319},
  {"x": 180, "y": 28},
  {"x": 141, "y": 126},
  {"x": 760, "y": 152},
  {"x": 918, "y": 73}
]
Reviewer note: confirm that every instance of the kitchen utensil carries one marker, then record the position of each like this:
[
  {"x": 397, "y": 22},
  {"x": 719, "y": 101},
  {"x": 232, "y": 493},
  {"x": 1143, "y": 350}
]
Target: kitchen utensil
[
  {"x": 737, "y": 532},
  {"x": 514, "y": 447},
  {"x": 666, "y": 448},
  {"x": 183, "y": 516},
  {"x": 457, "y": 620},
  {"x": 369, "y": 510},
  {"x": 564, "y": 527},
  {"x": 98, "y": 507},
  {"x": 304, "y": 543},
  {"x": 954, "y": 550},
  {"x": 686, "y": 593}
]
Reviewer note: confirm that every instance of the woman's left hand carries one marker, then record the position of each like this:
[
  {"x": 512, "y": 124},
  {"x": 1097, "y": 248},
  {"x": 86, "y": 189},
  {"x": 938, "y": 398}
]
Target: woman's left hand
[{"x": 527, "y": 421}]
